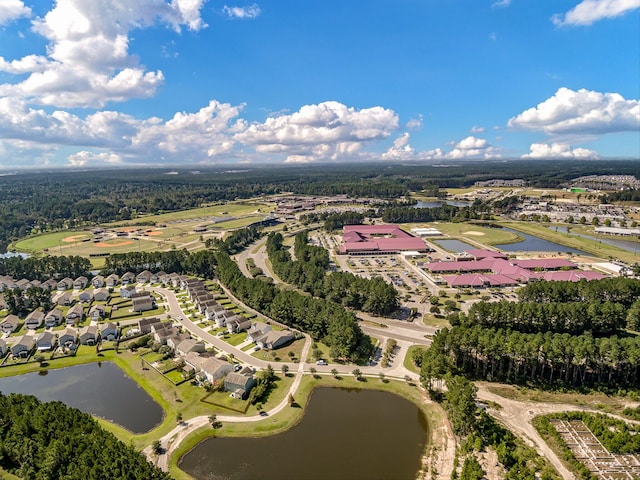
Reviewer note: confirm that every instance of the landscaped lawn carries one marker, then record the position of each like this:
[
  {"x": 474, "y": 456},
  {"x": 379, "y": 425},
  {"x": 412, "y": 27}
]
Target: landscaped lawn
[
  {"x": 175, "y": 376},
  {"x": 235, "y": 338},
  {"x": 408, "y": 358}
]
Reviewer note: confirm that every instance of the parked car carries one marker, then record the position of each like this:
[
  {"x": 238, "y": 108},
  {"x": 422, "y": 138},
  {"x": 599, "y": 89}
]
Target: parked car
[{"x": 322, "y": 362}]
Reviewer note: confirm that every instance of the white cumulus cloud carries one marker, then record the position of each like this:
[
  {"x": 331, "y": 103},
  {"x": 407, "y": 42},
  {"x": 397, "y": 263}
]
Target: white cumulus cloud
[
  {"x": 327, "y": 131},
  {"x": 11, "y": 10},
  {"x": 582, "y": 112},
  {"x": 469, "y": 147},
  {"x": 501, "y": 4},
  {"x": 588, "y": 12},
  {"x": 88, "y": 63},
  {"x": 559, "y": 150},
  {"x": 252, "y": 11}
]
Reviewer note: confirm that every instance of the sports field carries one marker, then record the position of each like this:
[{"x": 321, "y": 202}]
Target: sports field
[{"x": 51, "y": 241}]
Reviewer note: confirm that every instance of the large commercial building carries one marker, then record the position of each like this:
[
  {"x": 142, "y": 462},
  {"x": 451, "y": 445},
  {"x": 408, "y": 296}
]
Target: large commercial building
[{"x": 378, "y": 240}]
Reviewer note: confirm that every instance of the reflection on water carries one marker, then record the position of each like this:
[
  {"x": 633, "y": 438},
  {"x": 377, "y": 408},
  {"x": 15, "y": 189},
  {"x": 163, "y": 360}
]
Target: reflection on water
[
  {"x": 344, "y": 434},
  {"x": 99, "y": 389},
  {"x": 532, "y": 243}
]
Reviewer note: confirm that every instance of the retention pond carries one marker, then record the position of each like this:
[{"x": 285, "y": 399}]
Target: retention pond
[
  {"x": 344, "y": 434},
  {"x": 101, "y": 389}
]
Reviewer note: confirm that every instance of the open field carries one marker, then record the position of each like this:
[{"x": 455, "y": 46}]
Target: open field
[
  {"x": 51, "y": 240},
  {"x": 237, "y": 223},
  {"x": 222, "y": 210},
  {"x": 479, "y": 233}
]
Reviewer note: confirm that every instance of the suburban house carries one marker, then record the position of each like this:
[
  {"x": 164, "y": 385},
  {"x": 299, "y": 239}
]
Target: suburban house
[
  {"x": 143, "y": 303},
  {"x": 163, "y": 331},
  {"x": 145, "y": 325},
  {"x": 65, "y": 284},
  {"x": 50, "y": 284},
  {"x": 111, "y": 281},
  {"x": 143, "y": 277},
  {"x": 127, "y": 291},
  {"x": 127, "y": 278},
  {"x": 214, "y": 369},
  {"x": 175, "y": 338},
  {"x": 3, "y": 302},
  {"x": 109, "y": 331},
  {"x": 236, "y": 324},
  {"x": 45, "y": 341},
  {"x": 89, "y": 335},
  {"x": 86, "y": 296},
  {"x": 96, "y": 312},
  {"x": 64, "y": 299},
  {"x": 190, "y": 345},
  {"x": 53, "y": 318},
  {"x": 67, "y": 338},
  {"x": 97, "y": 281},
  {"x": 23, "y": 346},
  {"x": 7, "y": 283},
  {"x": 10, "y": 324},
  {"x": 155, "y": 277},
  {"x": 23, "y": 284},
  {"x": 75, "y": 315},
  {"x": 34, "y": 320},
  {"x": 275, "y": 339},
  {"x": 101, "y": 295},
  {"x": 257, "y": 330},
  {"x": 239, "y": 384},
  {"x": 3, "y": 348},
  {"x": 218, "y": 313},
  {"x": 80, "y": 283}
]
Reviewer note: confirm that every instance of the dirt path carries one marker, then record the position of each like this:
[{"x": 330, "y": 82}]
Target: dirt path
[{"x": 517, "y": 417}]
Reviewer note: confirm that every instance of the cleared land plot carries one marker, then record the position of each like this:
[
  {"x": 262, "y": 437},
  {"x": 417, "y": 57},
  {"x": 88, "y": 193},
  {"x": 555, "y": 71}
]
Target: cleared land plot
[{"x": 588, "y": 450}]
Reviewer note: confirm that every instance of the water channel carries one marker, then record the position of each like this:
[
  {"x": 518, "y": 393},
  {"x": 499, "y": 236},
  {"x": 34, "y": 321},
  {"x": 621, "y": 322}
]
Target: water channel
[
  {"x": 628, "y": 245},
  {"x": 101, "y": 389},
  {"x": 344, "y": 434},
  {"x": 532, "y": 243}
]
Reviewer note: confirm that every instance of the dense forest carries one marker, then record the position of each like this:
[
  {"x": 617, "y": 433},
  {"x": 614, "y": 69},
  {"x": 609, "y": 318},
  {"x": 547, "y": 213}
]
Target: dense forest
[
  {"x": 325, "y": 321},
  {"x": 309, "y": 273},
  {"x": 34, "y": 202},
  {"x": 199, "y": 263},
  {"x": 43, "y": 268},
  {"x": 557, "y": 337},
  {"x": 335, "y": 221},
  {"x": 236, "y": 241},
  {"x": 448, "y": 213},
  {"x": 51, "y": 441}
]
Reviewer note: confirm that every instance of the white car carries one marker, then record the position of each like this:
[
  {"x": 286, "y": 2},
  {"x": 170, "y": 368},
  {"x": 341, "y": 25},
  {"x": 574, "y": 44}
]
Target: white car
[{"x": 322, "y": 362}]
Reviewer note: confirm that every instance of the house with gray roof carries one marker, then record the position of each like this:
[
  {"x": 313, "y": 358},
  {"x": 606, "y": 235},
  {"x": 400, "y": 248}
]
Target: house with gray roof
[
  {"x": 97, "y": 281},
  {"x": 97, "y": 312},
  {"x": 190, "y": 345},
  {"x": 49, "y": 284},
  {"x": 64, "y": 299},
  {"x": 10, "y": 324},
  {"x": 65, "y": 284},
  {"x": 74, "y": 315},
  {"x": 45, "y": 341},
  {"x": 34, "y": 320},
  {"x": 109, "y": 331},
  {"x": 101, "y": 294},
  {"x": 237, "y": 323},
  {"x": 4, "y": 348},
  {"x": 88, "y": 335},
  {"x": 23, "y": 346},
  {"x": 80, "y": 282},
  {"x": 112, "y": 280},
  {"x": 239, "y": 384},
  {"x": 53, "y": 318},
  {"x": 275, "y": 339},
  {"x": 68, "y": 338}
]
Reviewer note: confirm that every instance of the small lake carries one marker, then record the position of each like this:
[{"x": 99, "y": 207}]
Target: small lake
[
  {"x": 456, "y": 246},
  {"x": 344, "y": 434},
  {"x": 628, "y": 245},
  {"x": 439, "y": 203},
  {"x": 532, "y": 243},
  {"x": 14, "y": 254},
  {"x": 101, "y": 389}
]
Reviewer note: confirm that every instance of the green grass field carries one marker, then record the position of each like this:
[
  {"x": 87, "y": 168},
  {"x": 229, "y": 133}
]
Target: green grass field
[
  {"x": 486, "y": 235},
  {"x": 237, "y": 223},
  {"x": 50, "y": 241}
]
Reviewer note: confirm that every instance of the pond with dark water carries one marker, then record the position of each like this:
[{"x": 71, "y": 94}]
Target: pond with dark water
[
  {"x": 452, "y": 245},
  {"x": 344, "y": 434},
  {"x": 532, "y": 243},
  {"x": 101, "y": 389}
]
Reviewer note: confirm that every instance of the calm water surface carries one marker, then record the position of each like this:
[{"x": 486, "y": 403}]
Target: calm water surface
[
  {"x": 456, "y": 246},
  {"x": 344, "y": 434},
  {"x": 101, "y": 389},
  {"x": 532, "y": 243},
  {"x": 628, "y": 245}
]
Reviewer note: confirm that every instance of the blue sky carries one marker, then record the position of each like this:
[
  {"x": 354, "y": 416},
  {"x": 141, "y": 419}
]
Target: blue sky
[{"x": 196, "y": 82}]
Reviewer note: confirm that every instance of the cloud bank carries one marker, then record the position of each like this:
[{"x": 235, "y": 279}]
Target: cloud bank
[{"x": 588, "y": 12}]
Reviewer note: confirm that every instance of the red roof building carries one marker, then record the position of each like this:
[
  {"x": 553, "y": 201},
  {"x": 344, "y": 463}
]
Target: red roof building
[{"x": 379, "y": 239}]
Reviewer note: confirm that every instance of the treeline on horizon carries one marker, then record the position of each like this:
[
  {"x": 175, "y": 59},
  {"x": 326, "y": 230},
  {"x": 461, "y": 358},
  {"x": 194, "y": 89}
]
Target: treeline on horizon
[
  {"x": 577, "y": 347},
  {"x": 57, "y": 200}
]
